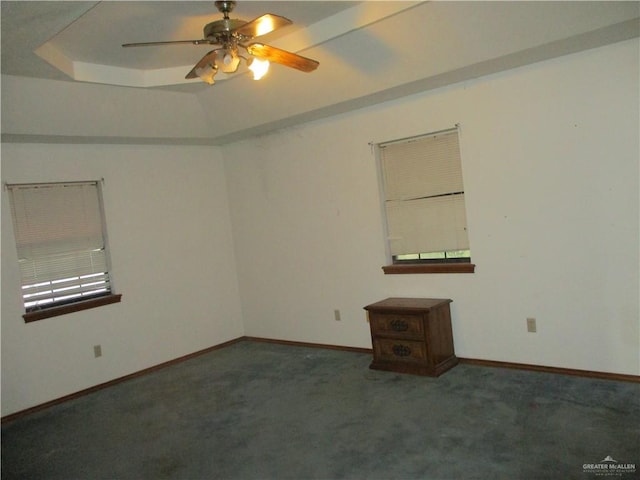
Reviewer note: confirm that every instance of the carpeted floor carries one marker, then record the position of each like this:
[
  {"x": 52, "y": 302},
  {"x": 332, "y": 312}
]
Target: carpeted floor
[{"x": 265, "y": 411}]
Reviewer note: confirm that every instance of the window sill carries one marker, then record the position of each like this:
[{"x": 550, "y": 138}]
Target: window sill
[
  {"x": 429, "y": 268},
  {"x": 72, "y": 307}
]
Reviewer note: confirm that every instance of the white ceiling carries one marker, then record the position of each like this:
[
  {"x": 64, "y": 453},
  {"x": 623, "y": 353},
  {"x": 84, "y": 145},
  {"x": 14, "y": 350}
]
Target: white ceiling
[
  {"x": 369, "y": 51},
  {"x": 82, "y": 40}
]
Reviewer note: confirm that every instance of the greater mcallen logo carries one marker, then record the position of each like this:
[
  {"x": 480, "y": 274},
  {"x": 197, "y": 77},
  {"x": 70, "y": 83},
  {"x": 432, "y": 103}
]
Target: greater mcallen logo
[{"x": 609, "y": 467}]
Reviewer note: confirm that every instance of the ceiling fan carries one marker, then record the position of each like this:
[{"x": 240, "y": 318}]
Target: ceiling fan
[{"x": 232, "y": 35}]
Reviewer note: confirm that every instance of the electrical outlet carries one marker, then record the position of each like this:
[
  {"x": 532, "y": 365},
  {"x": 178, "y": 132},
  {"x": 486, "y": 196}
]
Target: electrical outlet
[
  {"x": 97, "y": 351},
  {"x": 531, "y": 325},
  {"x": 336, "y": 315}
]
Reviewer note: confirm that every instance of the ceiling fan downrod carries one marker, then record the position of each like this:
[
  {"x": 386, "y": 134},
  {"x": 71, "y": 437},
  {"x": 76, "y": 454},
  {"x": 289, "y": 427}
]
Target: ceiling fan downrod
[{"x": 225, "y": 8}]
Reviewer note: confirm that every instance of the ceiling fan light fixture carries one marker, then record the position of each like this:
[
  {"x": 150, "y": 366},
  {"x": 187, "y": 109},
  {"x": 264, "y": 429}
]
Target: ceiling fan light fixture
[
  {"x": 258, "y": 67},
  {"x": 207, "y": 73},
  {"x": 229, "y": 62}
]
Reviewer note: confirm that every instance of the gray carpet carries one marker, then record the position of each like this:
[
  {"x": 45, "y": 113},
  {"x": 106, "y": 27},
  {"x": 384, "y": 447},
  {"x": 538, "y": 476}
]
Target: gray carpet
[{"x": 264, "y": 411}]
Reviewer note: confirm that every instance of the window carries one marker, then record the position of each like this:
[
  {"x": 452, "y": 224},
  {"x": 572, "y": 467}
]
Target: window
[
  {"x": 424, "y": 204},
  {"x": 62, "y": 253}
]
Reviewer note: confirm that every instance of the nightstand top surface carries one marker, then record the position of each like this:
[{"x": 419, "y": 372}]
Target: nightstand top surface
[{"x": 396, "y": 303}]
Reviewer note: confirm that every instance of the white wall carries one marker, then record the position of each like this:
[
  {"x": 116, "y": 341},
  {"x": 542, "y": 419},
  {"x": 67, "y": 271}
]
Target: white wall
[
  {"x": 34, "y": 106},
  {"x": 550, "y": 160},
  {"x": 171, "y": 248}
]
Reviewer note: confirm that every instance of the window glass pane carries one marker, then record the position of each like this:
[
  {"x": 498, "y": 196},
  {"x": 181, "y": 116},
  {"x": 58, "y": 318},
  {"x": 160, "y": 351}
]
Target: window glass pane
[
  {"x": 410, "y": 256},
  {"x": 459, "y": 254},
  {"x": 432, "y": 255}
]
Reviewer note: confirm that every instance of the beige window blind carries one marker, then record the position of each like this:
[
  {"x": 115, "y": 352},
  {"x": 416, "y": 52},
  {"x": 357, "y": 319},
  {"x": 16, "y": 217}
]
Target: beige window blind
[
  {"x": 60, "y": 242},
  {"x": 424, "y": 194}
]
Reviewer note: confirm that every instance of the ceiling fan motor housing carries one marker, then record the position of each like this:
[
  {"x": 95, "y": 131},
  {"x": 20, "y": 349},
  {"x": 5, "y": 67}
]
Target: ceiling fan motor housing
[{"x": 221, "y": 30}]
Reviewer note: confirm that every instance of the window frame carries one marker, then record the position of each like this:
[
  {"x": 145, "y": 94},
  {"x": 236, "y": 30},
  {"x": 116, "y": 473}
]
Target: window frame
[
  {"x": 416, "y": 266},
  {"x": 76, "y": 306},
  {"x": 83, "y": 302}
]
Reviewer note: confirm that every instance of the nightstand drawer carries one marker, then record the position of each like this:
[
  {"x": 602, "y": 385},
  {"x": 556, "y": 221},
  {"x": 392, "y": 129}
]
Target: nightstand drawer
[
  {"x": 388, "y": 349},
  {"x": 397, "y": 325}
]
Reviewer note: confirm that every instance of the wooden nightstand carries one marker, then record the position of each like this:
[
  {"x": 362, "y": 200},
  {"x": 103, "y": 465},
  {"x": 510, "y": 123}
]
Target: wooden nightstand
[{"x": 412, "y": 335}]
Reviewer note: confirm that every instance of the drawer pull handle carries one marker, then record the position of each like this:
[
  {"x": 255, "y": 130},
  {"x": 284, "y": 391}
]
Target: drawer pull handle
[
  {"x": 399, "y": 326},
  {"x": 401, "y": 350}
]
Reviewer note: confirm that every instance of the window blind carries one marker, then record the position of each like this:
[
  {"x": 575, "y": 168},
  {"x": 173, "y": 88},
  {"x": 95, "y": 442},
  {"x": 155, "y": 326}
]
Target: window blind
[
  {"x": 424, "y": 194},
  {"x": 60, "y": 241}
]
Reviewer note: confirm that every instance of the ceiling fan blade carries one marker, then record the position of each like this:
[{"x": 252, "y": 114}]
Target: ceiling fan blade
[
  {"x": 262, "y": 25},
  {"x": 171, "y": 42},
  {"x": 208, "y": 59},
  {"x": 283, "y": 57}
]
